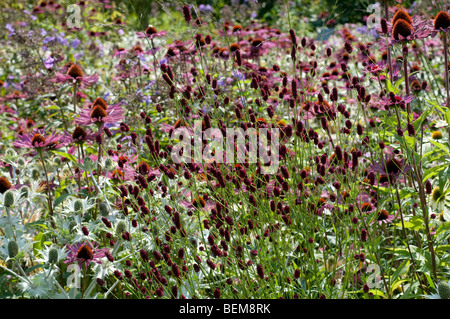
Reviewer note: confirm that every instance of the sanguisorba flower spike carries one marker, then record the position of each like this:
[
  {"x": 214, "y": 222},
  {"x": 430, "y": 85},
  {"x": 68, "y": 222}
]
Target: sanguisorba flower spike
[{"x": 442, "y": 26}]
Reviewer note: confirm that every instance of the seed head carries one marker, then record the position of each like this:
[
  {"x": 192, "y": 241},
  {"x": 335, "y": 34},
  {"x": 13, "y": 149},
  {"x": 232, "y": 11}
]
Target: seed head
[
  {"x": 443, "y": 290},
  {"x": 120, "y": 227},
  {"x": 403, "y": 28},
  {"x": 37, "y": 139},
  {"x": 436, "y": 135},
  {"x": 151, "y": 30},
  {"x": 403, "y": 15},
  {"x": 13, "y": 249},
  {"x": 75, "y": 71},
  {"x": 101, "y": 102},
  {"x": 98, "y": 112},
  {"x": 53, "y": 255},
  {"x": 4, "y": 184},
  {"x": 442, "y": 20},
  {"x": 436, "y": 193},
  {"x": 8, "y": 199}
]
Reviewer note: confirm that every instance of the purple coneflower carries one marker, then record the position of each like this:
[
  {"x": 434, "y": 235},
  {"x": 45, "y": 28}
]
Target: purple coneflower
[
  {"x": 40, "y": 141},
  {"x": 99, "y": 114},
  {"x": 75, "y": 75},
  {"x": 383, "y": 216},
  {"x": 84, "y": 253}
]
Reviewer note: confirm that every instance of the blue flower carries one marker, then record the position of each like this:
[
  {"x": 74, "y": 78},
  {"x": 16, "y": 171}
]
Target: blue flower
[
  {"x": 74, "y": 43},
  {"x": 206, "y": 8},
  {"x": 239, "y": 75},
  {"x": 48, "y": 63},
  {"x": 48, "y": 39}
]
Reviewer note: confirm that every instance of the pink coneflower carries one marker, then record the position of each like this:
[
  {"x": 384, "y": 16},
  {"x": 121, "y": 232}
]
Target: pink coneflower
[
  {"x": 85, "y": 253},
  {"x": 151, "y": 33},
  {"x": 403, "y": 28},
  {"x": 39, "y": 140},
  {"x": 15, "y": 96},
  {"x": 441, "y": 22},
  {"x": 80, "y": 135},
  {"x": 75, "y": 75},
  {"x": 390, "y": 169},
  {"x": 383, "y": 216},
  {"x": 98, "y": 114}
]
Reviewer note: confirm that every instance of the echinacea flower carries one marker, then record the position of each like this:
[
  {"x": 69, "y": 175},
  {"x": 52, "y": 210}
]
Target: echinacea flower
[
  {"x": 151, "y": 33},
  {"x": 85, "y": 253},
  {"x": 389, "y": 169},
  {"x": 75, "y": 75},
  {"x": 100, "y": 113},
  {"x": 383, "y": 217},
  {"x": 39, "y": 140},
  {"x": 404, "y": 28},
  {"x": 4, "y": 184},
  {"x": 441, "y": 23},
  {"x": 15, "y": 95},
  {"x": 80, "y": 135}
]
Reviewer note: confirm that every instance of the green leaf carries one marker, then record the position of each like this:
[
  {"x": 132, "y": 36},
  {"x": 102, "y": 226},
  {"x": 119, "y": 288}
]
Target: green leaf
[
  {"x": 33, "y": 268},
  {"x": 377, "y": 292},
  {"x": 442, "y": 228},
  {"x": 396, "y": 284},
  {"x": 390, "y": 87},
  {"x": 39, "y": 241},
  {"x": 410, "y": 140},
  {"x": 447, "y": 117},
  {"x": 60, "y": 199},
  {"x": 415, "y": 223},
  {"x": 441, "y": 146},
  {"x": 401, "y": 270},
  {"x": 433, "y": 171}
]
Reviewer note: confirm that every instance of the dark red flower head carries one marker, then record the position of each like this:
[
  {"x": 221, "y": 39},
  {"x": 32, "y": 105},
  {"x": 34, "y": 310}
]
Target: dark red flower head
[
  {"x": 234, "y": 47},
  {"x": 98, "y": 112},
  {"x": 75, "y": 71},
  {"x": 4, "y": 184},
  {"x": 79, "y": 133},
  {"x": 403, "y": 15},
  {"x": 85, "y": 252},
  {"x": 150, "y": 31},
  {"x": 403, "y": 28},
  {"x": 257, "y": 42},
  {"x": 37, "y": 138},
  {"x": 442, "y": 20}
]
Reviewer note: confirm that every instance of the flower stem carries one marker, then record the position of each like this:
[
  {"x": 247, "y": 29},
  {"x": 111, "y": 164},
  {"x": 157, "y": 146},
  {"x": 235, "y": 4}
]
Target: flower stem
[
  {"x": 447, "y": 103},
  {"x": 75, "y": 98},
  {"x": 405, "y": 69},
  {"x": 49, "y": 197},
  {"x": 386, "y": 14}
]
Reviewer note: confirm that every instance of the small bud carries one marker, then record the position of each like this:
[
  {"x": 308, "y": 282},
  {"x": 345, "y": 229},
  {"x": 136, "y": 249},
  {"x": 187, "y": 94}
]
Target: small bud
[
  {"x": 13, "y": 249},
  {"x": 53, "y": 256},
  {"x": 120, "y": 227},
  {"x": 443, "y": 290},
  {"x": 8, "y": 199},
  {"x": 104, "y": 209},
  {"x": 78, "y": 205}
]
